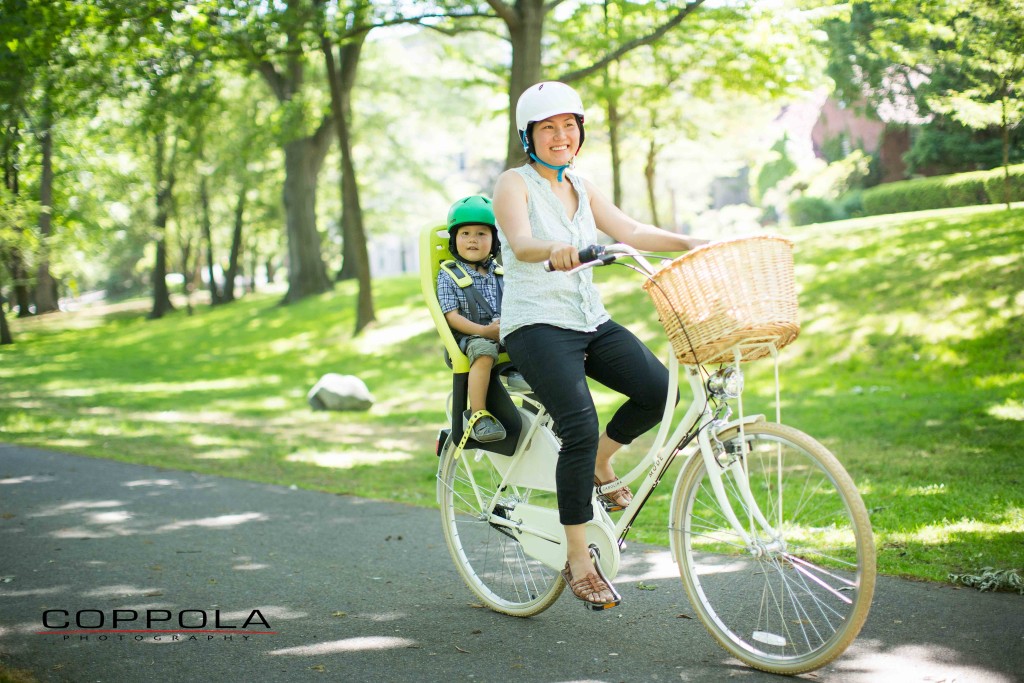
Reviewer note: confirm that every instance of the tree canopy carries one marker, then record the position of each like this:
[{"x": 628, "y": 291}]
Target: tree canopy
[
  {"x": 956, "y": 67},
  {"x": 147, "y": 143}
]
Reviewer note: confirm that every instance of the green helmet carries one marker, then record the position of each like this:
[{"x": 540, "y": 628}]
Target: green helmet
[{"x": 476, "y": 210}]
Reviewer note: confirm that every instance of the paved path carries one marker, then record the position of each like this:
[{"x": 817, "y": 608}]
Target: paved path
[{"x": 357, "y": 590}]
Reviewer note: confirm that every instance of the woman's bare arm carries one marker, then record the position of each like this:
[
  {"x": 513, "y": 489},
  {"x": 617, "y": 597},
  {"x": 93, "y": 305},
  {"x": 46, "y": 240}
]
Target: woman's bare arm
[
  {"x": 612, "y": 221},
  {"x": 512, "y": 215}
]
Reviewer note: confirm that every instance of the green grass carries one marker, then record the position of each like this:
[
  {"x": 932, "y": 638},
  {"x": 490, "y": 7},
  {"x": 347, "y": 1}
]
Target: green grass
[{"x": 910, "y": 368}]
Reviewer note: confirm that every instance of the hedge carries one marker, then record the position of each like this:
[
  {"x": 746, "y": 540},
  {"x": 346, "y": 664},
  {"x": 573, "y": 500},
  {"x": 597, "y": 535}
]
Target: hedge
[
  {"x": 940, "y": 192},
  {"x": 807, "y": 210},
  {"x": 994, "y": 185}
]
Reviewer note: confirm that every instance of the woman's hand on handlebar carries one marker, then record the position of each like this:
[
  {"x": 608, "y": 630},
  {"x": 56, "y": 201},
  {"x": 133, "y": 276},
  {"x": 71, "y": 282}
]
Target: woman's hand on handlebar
[
  {"x": 583, "y": 256},
  {"x": 562, "y": 257}
]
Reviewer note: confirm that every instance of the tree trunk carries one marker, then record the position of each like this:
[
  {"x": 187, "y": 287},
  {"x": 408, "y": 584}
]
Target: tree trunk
[
  {"x": 1006, "y": 150},
  {"x": 22, "y": 295},
  {"x": 613, "y": 139},
  {"x": 161, "y": 296},
  {"x": 46, "y": 288},
  {"x": 354, "y": 234},
  {"x": 303, "y": 157},
  {"x": 188, "y": 273},
  {"x": 525, "y": 24},
  {"x": 15, "y": 264},
  {"x": 340, "y": 82},
  {"x": 204, "y": 212},
  {"x": 236, "y": 248},
  {"x": 165, "y": 187},
  {"x": 307, "y": 274},
  {"x": 5, "y": 331},
  {"x": 650, "y": 174}
]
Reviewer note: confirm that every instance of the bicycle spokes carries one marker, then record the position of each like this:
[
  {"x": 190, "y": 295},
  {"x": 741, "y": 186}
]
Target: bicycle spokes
[{"x": 788, "y": 590}]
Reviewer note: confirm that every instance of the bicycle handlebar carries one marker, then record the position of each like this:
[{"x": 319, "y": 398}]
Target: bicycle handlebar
[{"x": 595, "y": 255}]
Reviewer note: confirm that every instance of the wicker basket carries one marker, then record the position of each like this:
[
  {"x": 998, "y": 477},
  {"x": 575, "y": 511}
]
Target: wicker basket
[{"x": 736, "y": 293}]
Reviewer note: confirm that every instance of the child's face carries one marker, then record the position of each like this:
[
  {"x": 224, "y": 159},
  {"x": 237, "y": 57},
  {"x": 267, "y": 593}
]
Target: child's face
[{"x": 473, "y": 241}]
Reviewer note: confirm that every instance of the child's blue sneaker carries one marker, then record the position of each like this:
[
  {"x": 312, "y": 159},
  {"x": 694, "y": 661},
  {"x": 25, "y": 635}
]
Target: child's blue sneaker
[{"x": 485, "y": 427}]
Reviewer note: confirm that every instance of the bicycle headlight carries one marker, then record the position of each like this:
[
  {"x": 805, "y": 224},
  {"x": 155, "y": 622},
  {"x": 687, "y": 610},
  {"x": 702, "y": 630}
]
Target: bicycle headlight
[{"x": 726, "y": 383}]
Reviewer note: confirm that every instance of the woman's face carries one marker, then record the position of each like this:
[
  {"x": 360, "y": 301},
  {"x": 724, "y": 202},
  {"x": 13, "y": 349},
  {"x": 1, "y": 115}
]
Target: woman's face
[{"x": 557, "y": 139}]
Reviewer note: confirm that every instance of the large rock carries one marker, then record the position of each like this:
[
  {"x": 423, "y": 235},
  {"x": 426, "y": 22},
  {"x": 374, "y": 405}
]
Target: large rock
[{"x": 340, "y": 392}]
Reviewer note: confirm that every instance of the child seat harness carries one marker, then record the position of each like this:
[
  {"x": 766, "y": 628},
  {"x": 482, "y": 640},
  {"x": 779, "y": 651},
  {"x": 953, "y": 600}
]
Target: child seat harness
[{"x": 479, "y": 311}]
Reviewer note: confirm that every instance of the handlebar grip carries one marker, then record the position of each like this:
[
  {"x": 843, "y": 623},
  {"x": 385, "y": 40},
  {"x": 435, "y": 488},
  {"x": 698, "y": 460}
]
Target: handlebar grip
[
  {"x": 591, "y": 253},
  {"x": 587, "y": 254}
]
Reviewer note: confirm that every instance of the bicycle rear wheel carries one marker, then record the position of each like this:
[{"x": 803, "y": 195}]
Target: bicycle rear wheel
[
  {"x": 487, "y": 554},
  {"x": 788, "y": 604}
]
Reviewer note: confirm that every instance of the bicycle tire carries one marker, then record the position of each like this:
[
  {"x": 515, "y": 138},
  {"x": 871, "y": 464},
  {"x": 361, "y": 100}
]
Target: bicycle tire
[
  {"x": 489, "y": 558},
  {"x": 801, "y": 603}
]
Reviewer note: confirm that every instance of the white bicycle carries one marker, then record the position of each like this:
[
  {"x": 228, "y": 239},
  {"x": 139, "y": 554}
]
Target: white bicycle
[{"x": 772, "y": 539}]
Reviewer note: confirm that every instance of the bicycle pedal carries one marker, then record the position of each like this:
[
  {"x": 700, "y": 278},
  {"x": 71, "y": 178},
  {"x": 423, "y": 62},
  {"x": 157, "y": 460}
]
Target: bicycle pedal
[{"x": 600, "y": 608}]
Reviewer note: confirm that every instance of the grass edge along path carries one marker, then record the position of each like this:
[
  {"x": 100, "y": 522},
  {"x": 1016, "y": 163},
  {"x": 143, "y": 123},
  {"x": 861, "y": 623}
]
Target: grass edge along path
[{"x": 909, "y": 367}]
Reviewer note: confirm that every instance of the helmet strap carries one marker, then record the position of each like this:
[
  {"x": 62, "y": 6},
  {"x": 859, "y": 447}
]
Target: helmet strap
[
  {"x": 482, "y": 262},
  {"x": 560, "y": 169}
]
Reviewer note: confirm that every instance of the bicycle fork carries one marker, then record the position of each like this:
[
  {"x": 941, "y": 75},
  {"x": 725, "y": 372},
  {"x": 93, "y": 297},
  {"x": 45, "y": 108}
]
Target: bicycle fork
[{"x": 737, "y": 467}]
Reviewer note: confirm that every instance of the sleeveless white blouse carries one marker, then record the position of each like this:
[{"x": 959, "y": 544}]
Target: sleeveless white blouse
[{"x": 533, "y": 295}]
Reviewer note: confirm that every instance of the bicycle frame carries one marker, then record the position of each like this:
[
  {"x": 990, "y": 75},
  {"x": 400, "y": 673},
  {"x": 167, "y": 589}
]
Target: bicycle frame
[
  {"x": 533, "y": 467},
  {"x": 663, "y": 451}
]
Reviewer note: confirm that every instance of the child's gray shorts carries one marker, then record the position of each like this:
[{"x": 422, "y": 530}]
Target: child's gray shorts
[{"x": 475, "y": 347}]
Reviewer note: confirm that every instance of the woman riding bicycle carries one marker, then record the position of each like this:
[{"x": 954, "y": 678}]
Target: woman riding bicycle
[{"x": 554, "y": 325}]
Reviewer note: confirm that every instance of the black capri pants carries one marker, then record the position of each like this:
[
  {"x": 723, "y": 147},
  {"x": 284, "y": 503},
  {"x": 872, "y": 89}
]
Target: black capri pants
[{"x": 556, "y": 363}]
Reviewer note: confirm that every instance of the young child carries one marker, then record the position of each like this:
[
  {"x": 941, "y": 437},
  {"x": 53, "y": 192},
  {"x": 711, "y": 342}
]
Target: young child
[{"x": 469, "y": 290}]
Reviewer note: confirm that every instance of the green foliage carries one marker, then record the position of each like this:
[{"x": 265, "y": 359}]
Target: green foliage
[
  {"x": 988, "y": 49},
  {"x": 16, "y": 220},
  {"x": 834, "y": 148},
  {"x": 807, "y": 210},
  {"x": 962, "y": 189},
  {"x": 841, "y": 176},
  {"x": 953, "y": 71},
  {"x": 825, "y": 192},
  {"x": 851, "y": 204},
  {"x": 947, "y": 147},
  {"x": 1005, "y": 184},
  {"x": 777, "y": 168}
]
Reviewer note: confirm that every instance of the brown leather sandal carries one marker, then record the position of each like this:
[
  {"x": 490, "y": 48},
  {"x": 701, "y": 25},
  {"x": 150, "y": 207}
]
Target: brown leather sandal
[
  {"x": 616, "y": 500},
  {"x": 590, "y": 586}
]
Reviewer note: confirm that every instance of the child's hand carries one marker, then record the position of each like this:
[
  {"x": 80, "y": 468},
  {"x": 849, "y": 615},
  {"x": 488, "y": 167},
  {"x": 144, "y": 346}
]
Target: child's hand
[{"x": 491, "y": 331}]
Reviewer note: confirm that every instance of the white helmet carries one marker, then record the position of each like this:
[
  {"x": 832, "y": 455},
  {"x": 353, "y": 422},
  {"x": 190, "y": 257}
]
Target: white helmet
[{"x": 544, "y": 100}]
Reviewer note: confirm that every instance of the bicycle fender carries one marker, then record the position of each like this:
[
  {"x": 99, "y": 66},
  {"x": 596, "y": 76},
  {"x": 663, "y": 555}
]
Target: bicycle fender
[
  {"x": 732, "y": 424},
  {"x": 747, "y": 420}
]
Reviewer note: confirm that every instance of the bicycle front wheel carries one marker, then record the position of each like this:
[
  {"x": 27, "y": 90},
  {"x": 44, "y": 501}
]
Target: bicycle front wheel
[
  {"x": 796, "y": 595},
  {"x": 487, "y": 553}
]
